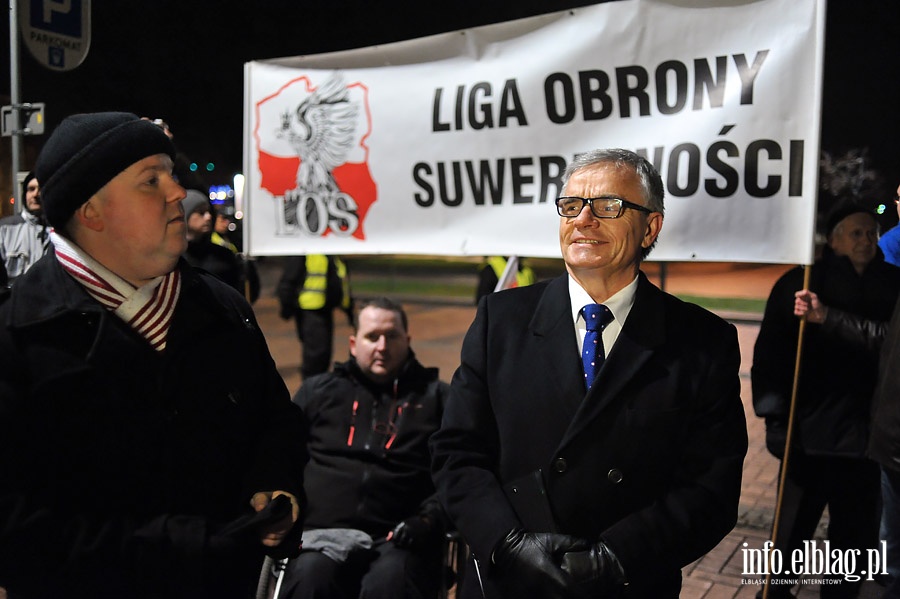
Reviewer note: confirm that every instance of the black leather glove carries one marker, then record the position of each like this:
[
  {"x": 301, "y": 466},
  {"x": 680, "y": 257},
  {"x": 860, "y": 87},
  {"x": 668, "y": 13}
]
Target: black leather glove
[
  {"x": 412, "y": 533},
  {"x": 246, "y": 531},
  {"x": 596, "y": 571},
  {"x": 188, "y": 550},
  {"x": 528, "y": 564}
]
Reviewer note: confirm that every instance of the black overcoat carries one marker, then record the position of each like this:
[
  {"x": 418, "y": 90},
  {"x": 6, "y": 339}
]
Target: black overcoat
[
  {"x": 649, "y": 459},
  {"x": 119, "y": 464},
  {"x": 837, "y": 378}
]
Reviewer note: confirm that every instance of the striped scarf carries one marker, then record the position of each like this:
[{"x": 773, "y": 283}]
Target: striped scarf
[{"x": 147, "y": 309}]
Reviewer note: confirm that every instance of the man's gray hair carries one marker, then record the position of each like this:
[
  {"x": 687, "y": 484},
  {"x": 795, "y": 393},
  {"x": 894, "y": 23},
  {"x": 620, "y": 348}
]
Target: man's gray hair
[{"x": 651, "y": 182}]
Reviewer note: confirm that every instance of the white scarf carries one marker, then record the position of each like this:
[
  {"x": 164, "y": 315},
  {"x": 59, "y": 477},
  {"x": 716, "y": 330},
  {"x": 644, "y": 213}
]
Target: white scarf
[{"x": 147, "y": 309}]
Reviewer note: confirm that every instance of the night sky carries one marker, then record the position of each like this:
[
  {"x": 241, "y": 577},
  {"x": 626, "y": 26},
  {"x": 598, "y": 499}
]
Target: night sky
[{"x": 183, "y": 61}]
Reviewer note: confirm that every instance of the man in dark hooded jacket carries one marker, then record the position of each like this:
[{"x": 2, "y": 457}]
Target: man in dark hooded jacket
[{"x": 373, "y": 524}]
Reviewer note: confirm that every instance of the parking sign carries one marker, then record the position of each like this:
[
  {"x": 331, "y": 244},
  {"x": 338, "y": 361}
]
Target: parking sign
[{"x": 57, "y": 32}]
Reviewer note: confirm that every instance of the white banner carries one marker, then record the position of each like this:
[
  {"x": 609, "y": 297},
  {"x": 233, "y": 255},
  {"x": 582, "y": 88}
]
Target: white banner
[{"x": 454, "y": 144}]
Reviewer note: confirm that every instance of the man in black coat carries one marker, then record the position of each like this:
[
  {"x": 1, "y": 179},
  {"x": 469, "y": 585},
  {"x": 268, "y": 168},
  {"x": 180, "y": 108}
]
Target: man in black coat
[
  {"x": 201, "y": 251},
  {"x": 884, "y": 447},
  {"x": 126, "y": 469},
  {"x": 828, "y": 464},
  {"x": 868, "y": 335},
  {"x": 566, "y": 483}
]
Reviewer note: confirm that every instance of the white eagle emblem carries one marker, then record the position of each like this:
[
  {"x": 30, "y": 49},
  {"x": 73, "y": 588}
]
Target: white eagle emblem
[{"x": 321, "y": 130}]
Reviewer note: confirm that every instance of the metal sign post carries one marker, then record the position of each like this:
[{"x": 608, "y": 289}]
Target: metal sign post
[
  {"x": 32, "y": 114},
  {"x": 10, "y": 117},
  {"x": 58, "y": 34},
  {"x": 14, "y": 95}
]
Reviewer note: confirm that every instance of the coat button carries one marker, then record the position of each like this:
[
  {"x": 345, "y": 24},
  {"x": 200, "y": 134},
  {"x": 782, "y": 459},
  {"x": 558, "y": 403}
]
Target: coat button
[
  {"x": 614, "y": 476},
  {"x": 560, "y": 465}
]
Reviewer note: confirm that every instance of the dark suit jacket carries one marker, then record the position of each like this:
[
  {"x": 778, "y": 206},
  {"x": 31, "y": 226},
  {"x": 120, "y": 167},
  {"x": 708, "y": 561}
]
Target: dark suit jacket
[
  {"x": 649, "y": 460},
  {"x": 884, "y": 439}
]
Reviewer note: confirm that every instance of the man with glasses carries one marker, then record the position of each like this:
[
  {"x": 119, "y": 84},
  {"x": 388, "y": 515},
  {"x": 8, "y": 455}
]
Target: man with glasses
[{"x": 593, "y": 461}]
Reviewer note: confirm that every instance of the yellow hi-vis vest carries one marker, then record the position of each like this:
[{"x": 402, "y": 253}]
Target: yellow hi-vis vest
[
  {"x": 219, "y": 240},
  {"x": 314, "y": 293},
  {"x": 524, "y": 277},
  {"x": 341, "y": 269}
]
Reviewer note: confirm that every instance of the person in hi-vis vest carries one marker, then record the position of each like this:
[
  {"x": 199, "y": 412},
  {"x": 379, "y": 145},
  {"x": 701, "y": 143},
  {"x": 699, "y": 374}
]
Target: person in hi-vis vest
[{"x": 311, "y": 287}]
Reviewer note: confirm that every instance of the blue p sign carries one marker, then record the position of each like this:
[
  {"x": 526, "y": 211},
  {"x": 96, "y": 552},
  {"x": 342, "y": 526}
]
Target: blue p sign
[
  {"x": 57, "y": 16},
  {"x": 57, "y": 32}
]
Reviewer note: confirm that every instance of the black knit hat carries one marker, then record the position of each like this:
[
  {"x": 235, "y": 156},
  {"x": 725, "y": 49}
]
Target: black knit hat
[
  {"x": 842, "y": 210},
  {"x": 28, "y": 179},
  {"x": 194, "y": 201},
  {"x": 86, "y": 151}
]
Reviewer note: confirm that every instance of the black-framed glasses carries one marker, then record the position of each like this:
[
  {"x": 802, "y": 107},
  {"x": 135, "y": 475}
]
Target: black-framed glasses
[{"x": 602, "y": 207}]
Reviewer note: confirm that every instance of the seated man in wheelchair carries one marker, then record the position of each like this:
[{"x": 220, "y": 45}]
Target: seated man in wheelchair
[{"x": 373, "y": 526}]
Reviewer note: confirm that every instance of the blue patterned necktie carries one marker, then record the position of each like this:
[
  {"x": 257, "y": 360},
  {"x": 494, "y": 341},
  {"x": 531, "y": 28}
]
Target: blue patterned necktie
[{"x": 596, "y": 317}]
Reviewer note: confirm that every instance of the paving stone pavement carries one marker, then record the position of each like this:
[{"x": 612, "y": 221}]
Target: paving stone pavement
[{"x": 437, "y": 330}]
